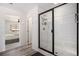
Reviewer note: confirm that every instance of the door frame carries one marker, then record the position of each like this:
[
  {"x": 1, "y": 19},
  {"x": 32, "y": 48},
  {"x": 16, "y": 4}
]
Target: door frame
[
  {"x": 39, "y": 31},
  {"x": 52, "y": 9},
  {"x": 77, "y": 28}
]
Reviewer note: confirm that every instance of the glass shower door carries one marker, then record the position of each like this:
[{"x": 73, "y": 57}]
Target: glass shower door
[
  {"x": 65, "y": 30},
  {"x": 46, "y": 37}
]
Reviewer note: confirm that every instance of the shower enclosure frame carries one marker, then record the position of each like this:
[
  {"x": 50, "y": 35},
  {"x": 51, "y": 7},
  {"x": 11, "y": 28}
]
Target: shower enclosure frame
[
  {"x": 52, "y": 34},
  {"x": 52, "y": 9}
]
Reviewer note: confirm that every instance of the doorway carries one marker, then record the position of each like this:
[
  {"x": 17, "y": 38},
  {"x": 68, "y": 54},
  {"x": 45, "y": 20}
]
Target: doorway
[{"x": 29, "y": 31}]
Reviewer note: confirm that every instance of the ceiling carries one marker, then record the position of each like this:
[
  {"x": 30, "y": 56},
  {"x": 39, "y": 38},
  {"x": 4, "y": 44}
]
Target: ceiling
[
  {"x": 25, "y": 7},
  {"x": 21, "y": 7}
]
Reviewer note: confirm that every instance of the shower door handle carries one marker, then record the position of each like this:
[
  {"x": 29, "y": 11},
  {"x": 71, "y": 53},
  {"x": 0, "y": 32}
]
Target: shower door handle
[
  {"x": 52, "y": 30},
  {"x": 76, "y": 16}
]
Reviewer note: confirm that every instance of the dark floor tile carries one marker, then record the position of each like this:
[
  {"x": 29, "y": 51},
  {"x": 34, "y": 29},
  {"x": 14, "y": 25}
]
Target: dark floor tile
[{"x": 37, "y": 54}]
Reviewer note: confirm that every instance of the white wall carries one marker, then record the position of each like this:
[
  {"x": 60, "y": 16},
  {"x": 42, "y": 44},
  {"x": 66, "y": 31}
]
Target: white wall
[
  {"x": 33, "y": 14},
  {"x": 2, "y": 34},
  {"x": 23, "y": 36},
  {"x": 35, "y": 29}
]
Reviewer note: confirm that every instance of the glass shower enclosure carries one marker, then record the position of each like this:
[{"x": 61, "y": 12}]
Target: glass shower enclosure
[{"x": 58, "y": 30}]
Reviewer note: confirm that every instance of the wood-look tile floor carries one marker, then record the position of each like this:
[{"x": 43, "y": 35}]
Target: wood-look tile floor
[{"x": 20, "y": 51}]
